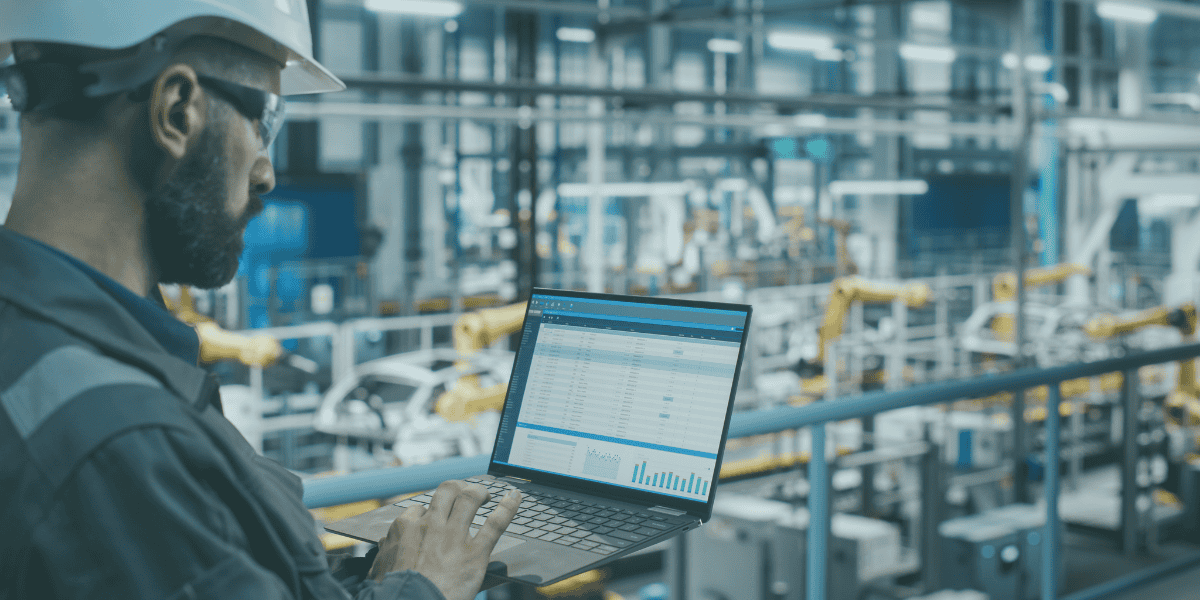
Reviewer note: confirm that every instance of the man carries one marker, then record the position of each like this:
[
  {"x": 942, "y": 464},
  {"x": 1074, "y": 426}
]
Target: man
[{"x": 144, "y": 133}]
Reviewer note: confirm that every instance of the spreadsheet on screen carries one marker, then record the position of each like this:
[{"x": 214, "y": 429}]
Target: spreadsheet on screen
[{"x": 622, "y": 393}]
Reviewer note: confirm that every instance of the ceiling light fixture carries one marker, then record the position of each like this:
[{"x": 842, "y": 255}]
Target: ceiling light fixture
[
  {"x": 1125, "y": 11},
  {"x": 914, "y": 187},
  {"x": 429, "y": 8},
  {"x": 720, "y": 46},
  {"x": 575, "y": 34},
  {"x": 935, "y": 54},
  {"x": 810, "y": 120},
  {"x": 799, "y": 42},
  {"x": 628, "y": 190},
  {"x": 1037, "y": 63}
]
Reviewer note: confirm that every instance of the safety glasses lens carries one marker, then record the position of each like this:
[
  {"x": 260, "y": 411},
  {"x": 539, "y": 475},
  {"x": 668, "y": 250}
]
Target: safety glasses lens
[{"x": 272, "y": 119}]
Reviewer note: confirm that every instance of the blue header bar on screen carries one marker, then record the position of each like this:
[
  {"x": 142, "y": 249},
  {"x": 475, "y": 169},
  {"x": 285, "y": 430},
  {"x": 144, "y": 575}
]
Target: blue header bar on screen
[
  {"x": 566, "y": 313},
  {"x": 657, "y": 312}
]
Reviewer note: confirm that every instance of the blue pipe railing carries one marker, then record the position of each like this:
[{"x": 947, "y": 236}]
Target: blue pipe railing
[{"x": 385, "y": 483}]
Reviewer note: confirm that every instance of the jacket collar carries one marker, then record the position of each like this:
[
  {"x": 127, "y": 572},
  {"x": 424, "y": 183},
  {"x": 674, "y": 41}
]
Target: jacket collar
[{"x": 35, "y": 279}]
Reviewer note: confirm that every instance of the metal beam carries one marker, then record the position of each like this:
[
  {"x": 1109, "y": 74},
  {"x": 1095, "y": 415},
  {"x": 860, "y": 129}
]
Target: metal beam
[
  {"x": 776, "y": 125},
  {"x": 722, "y": 15},
  {"x": 382, "y": 81},
  {"x": 549, "y": 7}
]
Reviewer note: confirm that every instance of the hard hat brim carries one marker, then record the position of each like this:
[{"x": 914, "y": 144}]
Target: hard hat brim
[{"x": 279, "y": 29}]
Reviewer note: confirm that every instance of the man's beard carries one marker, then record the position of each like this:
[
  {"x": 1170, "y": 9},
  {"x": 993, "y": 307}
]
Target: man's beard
[{"x": 192, "y": 238}]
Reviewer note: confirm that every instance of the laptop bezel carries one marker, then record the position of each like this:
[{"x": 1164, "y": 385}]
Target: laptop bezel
[{"x": 625, "y": 494}]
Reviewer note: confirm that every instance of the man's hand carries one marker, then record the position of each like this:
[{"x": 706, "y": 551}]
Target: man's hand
[{"x": 437, "y": 543}]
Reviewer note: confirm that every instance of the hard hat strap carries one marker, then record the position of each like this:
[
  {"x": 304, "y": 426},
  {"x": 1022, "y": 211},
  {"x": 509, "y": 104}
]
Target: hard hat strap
[{"x": 43, "y": 84}]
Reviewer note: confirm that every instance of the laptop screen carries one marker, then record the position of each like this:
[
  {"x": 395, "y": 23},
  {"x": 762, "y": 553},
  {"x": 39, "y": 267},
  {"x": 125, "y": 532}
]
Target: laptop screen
[{"x": 624, "y": 393}]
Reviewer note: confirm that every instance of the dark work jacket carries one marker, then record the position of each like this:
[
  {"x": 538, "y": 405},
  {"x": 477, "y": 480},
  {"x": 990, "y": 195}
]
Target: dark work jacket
[{"x": 119, "y": 476}]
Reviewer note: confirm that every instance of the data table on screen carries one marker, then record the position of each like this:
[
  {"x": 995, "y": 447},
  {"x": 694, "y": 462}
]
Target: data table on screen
[
  {"x": 639, "y": 387},
  {"x": 625, "y": 395}
]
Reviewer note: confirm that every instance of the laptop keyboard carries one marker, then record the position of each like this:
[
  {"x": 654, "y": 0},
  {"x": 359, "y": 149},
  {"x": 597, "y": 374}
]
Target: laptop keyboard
[{"x": 583, "y": 524}]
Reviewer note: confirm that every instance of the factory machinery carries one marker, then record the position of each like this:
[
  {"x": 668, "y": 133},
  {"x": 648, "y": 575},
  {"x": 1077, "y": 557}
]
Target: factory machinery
[{"x": 812, "y": 343}]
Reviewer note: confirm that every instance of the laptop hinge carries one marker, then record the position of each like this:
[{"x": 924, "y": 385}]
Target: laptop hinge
[
  {"x": 669, "y": 511},
  {"x": 514, "y": 479}
]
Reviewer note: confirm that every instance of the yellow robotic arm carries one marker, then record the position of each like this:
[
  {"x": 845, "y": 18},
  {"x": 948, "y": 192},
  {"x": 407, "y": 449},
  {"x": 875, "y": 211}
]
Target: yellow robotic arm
[
  {"x": 473, "y": 332},
  {"x": 478, "y": 330},
  {"x": 1106, "y": 326},
  {"x": 1187, "y": 392},
  {"x": 218, "y": 344},
  {"x": 1004, "y": 289},
  {"x": 1004, "y": 285},
  {"x": 845, "y": 291}
]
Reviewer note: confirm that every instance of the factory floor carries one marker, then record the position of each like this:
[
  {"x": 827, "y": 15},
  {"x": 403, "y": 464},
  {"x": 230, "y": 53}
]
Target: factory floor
[
  {"x": 1091, "y": 561},
  {"x": 1180, "y": 587}
]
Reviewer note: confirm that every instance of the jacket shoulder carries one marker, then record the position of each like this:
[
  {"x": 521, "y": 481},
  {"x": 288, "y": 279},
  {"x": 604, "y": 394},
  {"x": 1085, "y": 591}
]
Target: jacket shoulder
[
  {"x": 45, "y": 368},
  {"x": 61, "y": 398}
]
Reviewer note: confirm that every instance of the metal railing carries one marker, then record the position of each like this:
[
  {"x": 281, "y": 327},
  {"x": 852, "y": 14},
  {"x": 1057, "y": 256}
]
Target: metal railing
[{"x": 390, "y": 482}]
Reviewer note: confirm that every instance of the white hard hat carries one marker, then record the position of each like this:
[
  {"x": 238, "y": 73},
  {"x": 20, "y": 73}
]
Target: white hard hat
[{"x": 276, "y": 28}]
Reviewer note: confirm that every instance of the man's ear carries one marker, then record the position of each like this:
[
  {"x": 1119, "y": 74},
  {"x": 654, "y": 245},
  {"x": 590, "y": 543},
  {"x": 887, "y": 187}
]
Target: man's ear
[{"x": 177, "y": 109}]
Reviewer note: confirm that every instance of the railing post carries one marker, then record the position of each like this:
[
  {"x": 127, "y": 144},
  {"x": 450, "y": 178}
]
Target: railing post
[
  {"x": 932, "y": 495},
  {"x": 1050, "y": 547},
  {"x": 343, "y": 351},
  {"x": 945, "y": 343},
  {"x": 1130, "y": 402},
  {"x": 897, "y": 357},
  {"x": 1020, "y": 447},
  {"x": 818, "y": 515},
  {"x": 818, "y": 491},
  {"x": 426, "y": 335},
  {"x": 257, "y": 390}
]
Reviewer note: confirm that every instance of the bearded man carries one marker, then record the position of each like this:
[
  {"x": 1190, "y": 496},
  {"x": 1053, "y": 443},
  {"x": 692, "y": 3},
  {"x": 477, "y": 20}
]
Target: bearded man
[{"x": 145, "y": 128}]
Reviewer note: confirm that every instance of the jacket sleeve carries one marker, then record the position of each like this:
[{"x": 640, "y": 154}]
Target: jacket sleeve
[
  {"x": 351, "y": 573},
  {"x": 136, "y": 521}
]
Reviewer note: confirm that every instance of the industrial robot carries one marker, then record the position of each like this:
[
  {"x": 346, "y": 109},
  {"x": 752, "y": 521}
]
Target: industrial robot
[
  {"x": 217, "y": 344},
  {"x": 843, "y": 293},
  {"x": 473, "y": 332},
  {"x": 1182, "y": 404},
  {"x": 990, "y": 330}
]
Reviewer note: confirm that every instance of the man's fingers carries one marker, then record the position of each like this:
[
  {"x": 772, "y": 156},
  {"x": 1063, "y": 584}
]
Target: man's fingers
[
  {"x": 396, "y": 531},
  {"x": 443, "y": 500},
  {"x": 405, "y": 529},
  {"x": 498, "y": 521},
  {"x": 469, "y": 499},
  {"x": 412, "y": 525}
]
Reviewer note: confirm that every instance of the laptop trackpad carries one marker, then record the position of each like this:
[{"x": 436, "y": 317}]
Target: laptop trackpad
[
  {"x": 537, "y": 562},
  {"x": 507, "y": 542}
]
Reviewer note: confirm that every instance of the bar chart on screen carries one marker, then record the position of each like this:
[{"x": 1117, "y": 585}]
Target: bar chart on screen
[{"x": 684, "y": 482}]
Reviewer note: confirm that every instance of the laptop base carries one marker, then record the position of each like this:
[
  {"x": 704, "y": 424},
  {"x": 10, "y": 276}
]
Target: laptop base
[{"x": 518, "y": 558}]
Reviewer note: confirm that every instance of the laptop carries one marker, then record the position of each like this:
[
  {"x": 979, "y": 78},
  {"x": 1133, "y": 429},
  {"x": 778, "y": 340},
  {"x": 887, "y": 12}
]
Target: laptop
[{"x": 613, "y": 429}]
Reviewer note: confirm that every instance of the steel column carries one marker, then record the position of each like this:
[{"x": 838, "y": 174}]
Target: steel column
[
  {"x": 522, "y": 31},
  {"x": 596, "y": 140},
  {"x": 1050, "y": 545},
  {"x": 819, "y": 489},
  {"x": 932, "y": 496},
  {"x": 818, "y": 514},
  {"x": 1020, "y": 165},
  {"x": 1130, "y": 402}
]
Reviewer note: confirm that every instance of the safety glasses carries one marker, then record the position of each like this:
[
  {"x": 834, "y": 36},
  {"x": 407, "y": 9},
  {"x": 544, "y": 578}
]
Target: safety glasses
[{"x": 262, "y": 107}]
